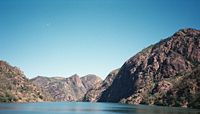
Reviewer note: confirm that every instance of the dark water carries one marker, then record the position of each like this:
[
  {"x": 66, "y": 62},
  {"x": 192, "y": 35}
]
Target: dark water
[{"x": 88, "y": 108}]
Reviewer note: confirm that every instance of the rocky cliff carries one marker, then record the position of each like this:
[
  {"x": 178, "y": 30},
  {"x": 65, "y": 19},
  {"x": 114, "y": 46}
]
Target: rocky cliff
[
  {"x": 164, "y": 74},
  {"x": 15, "y": 87},
  {"x": 95, "y": 92},
  {"x": 89, "y": 81},
  {"x": 67, "y": 89}
]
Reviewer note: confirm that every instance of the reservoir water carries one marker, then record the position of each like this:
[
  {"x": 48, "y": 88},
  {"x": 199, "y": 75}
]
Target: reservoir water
[{"x": 88, "y": 108}]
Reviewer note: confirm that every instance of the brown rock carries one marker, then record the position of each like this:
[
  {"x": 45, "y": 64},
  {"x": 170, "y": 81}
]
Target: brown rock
[
  {"x": 144, "y": 78},
  {"x": 95, "y": 92},
  {"x": 67, "y": 89},
  {"x": 15, "y": 87}
]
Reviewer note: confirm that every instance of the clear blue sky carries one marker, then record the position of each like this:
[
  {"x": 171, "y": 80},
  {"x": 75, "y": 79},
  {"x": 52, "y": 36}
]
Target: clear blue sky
[{"x": 64, "y": 37}]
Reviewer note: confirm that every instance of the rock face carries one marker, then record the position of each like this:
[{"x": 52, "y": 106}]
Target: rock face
[
  {"x": 67, "y": 89},
  {"x": 15, "y": 87},
  {"x": 90, "y": 81},
  {"x": 153, "y": 75},
  {"x": 95, "y": 92}
]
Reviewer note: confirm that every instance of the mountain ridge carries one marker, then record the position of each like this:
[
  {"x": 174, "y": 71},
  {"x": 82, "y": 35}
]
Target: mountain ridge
[
  {"x": 165, "y": 73},
  {"x": 143, "y": 72},
  {"x": 72, "y": 88},
  {"x": 15, "y": 87}
]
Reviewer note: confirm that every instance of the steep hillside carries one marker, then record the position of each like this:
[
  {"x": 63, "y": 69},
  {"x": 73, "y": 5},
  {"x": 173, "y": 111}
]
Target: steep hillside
[
  {"x": 152, "y": 74},
  {"x": 67, "y": 89},
  {"x": 90, "y": 80},
  {"x": 15, "y": 87},
  {"x": 184, "y": 92},
  {"x": 94, "y": 93}
]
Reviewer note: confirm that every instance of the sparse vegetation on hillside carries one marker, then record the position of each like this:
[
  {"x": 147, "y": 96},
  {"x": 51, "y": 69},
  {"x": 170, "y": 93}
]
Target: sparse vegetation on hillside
[{"x": 15, "y": 87}]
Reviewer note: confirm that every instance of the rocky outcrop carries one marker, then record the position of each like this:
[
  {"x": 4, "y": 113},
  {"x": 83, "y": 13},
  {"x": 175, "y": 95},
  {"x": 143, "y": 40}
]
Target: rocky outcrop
[
  {"x": 15, "y": 87},
  {"x": 154, "y": 72},
  {"x": 67, "y": 89},
  {"x": 94, "y": 93},
  {"x": 89, "y": 81}
]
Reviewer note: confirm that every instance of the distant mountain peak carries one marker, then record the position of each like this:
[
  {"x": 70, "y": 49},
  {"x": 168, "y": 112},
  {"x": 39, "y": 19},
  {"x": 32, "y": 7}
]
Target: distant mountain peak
[
  {"x": 72, "y": 88},
  {"x": 74, "y": 75}
]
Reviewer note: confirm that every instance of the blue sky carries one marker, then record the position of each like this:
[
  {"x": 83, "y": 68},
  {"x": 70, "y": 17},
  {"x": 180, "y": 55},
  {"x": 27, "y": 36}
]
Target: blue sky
[{"x": 64, "y": 37}]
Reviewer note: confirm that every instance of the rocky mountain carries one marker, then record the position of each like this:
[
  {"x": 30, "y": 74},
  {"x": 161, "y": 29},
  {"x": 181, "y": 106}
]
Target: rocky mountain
[
  {"x": 95, "y": 92},
  {"x": 67, "y": 89},
  {"x": 15, "y": 87},
  {"x": 166, "y": 73},
  {"x": 89, "y": 81}
]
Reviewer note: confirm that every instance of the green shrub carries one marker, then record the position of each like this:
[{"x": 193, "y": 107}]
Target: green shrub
[{"x": 8, "y": 97}]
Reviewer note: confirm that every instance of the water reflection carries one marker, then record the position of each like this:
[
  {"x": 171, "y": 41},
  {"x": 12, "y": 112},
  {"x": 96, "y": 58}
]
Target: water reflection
[{"x": 89, "y": 108}]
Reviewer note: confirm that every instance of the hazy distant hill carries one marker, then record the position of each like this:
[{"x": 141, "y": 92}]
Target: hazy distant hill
[
  {"x": 166, "y": 73},
  {"x": 67, "y": 89}
]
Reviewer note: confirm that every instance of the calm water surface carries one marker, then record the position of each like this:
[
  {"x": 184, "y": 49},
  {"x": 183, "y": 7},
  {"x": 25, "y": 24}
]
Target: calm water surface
[{"x": 88, "y": 108}]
